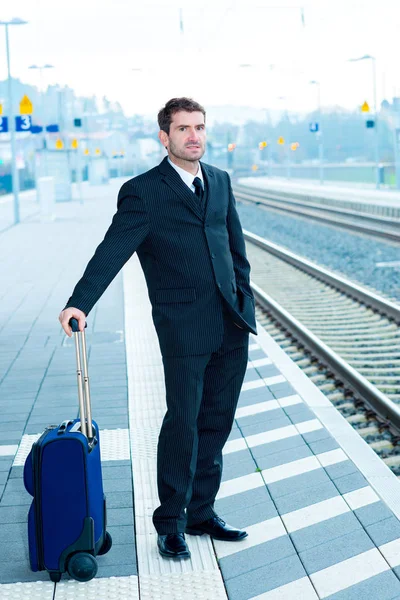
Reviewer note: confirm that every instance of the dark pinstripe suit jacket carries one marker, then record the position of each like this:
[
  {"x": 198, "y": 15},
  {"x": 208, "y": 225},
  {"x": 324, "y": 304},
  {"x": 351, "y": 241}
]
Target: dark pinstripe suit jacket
[{"x": 193, "y": 262}]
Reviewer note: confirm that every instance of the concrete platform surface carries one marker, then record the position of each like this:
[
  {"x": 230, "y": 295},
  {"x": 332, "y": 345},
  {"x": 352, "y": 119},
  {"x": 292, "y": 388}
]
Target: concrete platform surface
[
  {"x": 352, "y": 196},
  {"x": 321, "y": 510}
]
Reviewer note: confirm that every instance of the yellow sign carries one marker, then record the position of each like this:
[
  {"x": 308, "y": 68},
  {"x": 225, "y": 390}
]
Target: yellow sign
[
  {"x": 97, "y": 151},
  {"x": 281, "y": 141},
  {"x": 262, "y": 145},
  {"x": 294, "y": 146},
  {"x": 74, "y": 144},
  {"x": 1, "y": 109},
  {"x": 59, "y": 144},
  {"x": 365, "y": 107},
  {"x": 87, "y": 151},
  {"x": 254, "y": 168},
  {"x": 25, "y": 106}
]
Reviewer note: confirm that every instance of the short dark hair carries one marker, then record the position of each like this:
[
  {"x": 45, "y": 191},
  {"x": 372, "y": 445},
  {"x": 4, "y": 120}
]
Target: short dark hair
[{"x": 173, "y": 106}]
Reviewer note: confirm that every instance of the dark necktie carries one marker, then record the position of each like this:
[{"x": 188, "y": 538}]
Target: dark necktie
[{"x": 198, "y": 188}]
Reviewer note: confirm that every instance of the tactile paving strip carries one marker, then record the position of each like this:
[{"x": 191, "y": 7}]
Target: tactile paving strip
[
  {"x": 203, "y": 585},
  {"x": 24, "y": 449},
  {"x": 114, "y": 444},
  {"x": 106, "y": 588},
  {"x": 199, "y": 577},
  {"x": 36, "y": 590}
]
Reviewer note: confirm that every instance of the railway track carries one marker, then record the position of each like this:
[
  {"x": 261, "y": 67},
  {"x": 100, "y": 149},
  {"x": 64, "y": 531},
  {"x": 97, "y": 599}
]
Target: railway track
[
  {"x": 387, "y": 227},
  {"x": 345, "y": 337}
]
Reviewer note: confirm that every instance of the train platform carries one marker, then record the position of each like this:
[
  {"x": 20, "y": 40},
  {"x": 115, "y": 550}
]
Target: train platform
[
  {"x": 353, "y": 196},
  {"x": 28, "y": 206},
  {"x": 321, "y": 509}
]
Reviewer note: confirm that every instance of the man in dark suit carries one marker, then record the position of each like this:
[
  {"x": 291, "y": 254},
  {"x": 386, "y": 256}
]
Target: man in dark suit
[{"x": 180, "y": 218}]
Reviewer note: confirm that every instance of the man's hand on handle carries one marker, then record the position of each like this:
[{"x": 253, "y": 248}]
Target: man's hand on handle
[{"x": 67, "y": 314}]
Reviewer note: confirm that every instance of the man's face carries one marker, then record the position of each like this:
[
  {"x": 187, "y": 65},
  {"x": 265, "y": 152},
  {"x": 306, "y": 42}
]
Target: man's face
[{"x": 187, "y": 136}]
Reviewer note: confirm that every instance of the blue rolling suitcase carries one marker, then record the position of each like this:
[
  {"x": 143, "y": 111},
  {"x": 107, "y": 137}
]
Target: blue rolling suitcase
[{"x": 67, "y": 518}]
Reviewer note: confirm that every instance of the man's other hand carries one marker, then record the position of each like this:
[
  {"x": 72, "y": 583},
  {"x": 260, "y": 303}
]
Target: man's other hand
[{"x": 69, "y": 313}]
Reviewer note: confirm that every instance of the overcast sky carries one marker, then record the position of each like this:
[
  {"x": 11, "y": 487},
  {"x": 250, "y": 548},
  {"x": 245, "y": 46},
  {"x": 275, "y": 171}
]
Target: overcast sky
[{"x": 94, "y": 46}]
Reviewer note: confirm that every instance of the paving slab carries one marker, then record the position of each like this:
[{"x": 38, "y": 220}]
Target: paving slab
[{"x": 317, "y": 519}]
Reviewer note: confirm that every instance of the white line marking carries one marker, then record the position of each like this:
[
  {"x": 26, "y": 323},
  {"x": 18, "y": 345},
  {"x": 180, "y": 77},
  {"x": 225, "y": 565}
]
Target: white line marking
[
  {"x": 252, "y": 385},
  {"x": 391, "y": 551},
  {"x": 315, "y": 513},
  {"x": 253, "y": 409},
  {"x": 296, "y": 467},
  {"x": 362, "y": 497},
  {"x": 308, "y": 426},
  {"x": 301, "y": 589},
  {"x": 332, "y": 457},
  {"x": 234, "y": 446},
  {"x": 274, "y": 380},
  {"x": 349, "y": 572},
  {"x": 240, "y": 484},
  {"x": 8, "y": 450},
  {"x": 258, "y": 534},
  {"x": 261, "y": 362}
]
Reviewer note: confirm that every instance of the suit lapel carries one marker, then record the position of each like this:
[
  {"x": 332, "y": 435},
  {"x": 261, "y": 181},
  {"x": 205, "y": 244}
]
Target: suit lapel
[
  {"x": 174, "y": 181},
  {"x": 209, "y": 177}
]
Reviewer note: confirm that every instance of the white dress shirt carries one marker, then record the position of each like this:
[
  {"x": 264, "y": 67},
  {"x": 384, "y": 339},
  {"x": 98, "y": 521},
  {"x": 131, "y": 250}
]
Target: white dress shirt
[{"x": 188, "y": 177}]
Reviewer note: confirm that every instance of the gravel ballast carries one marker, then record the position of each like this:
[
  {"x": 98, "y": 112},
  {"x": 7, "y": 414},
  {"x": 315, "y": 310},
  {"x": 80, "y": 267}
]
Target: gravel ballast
[{"x": 356, "y": 256}]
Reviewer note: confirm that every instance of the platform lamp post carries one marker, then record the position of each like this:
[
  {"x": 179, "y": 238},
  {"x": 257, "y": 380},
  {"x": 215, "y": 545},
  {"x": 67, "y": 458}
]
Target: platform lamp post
[
  {"x": 373, "y": 62},
  {"x": 41, "y": 69},
  {"x": 319, "y": 132},
  {"x": 11, "y": 121}
]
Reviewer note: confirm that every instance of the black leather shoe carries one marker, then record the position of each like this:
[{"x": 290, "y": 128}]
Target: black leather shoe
[
  {"x": 217, "y": 529},
  {"x": 173, "y": 545}
]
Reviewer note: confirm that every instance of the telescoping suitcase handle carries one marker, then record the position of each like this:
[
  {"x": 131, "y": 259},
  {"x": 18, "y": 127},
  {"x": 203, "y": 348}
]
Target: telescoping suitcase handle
[{"x": 85, "y": 410}]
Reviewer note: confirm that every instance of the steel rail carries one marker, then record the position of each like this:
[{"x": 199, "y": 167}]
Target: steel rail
[
  {"x": 332, "y": 215},
  {"x": 380, "y": 403},
  {"x": 383, "y": 306}
]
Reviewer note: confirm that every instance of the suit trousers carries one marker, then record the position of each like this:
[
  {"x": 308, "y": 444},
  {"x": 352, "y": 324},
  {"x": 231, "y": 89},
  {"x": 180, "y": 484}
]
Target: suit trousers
[{"x": 202, "y": 392}]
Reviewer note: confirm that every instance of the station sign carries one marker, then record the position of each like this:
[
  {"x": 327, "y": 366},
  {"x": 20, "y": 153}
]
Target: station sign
[
  {"x": 3, "y": 124},
  {"x": 314, "y": 127},
  {"x": 53, "y": 128},
  {"x": 36, "y": 129},
  {"x": 23, "y": 123},
  {"x": 25, "y": 106}
]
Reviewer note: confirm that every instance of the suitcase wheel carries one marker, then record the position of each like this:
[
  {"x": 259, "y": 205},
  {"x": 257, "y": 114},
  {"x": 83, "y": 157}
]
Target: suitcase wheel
[
  {"x": 82, "y": 566},
  {"x": 106, "y": 544},
  {"x": 55, "y": 576}
]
